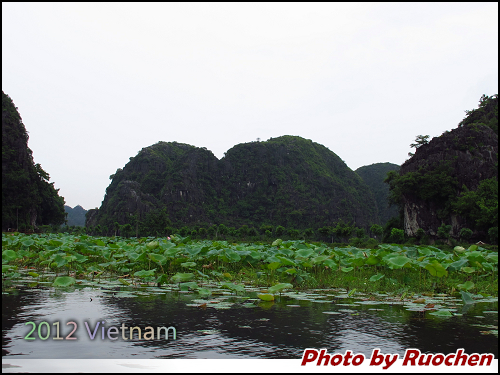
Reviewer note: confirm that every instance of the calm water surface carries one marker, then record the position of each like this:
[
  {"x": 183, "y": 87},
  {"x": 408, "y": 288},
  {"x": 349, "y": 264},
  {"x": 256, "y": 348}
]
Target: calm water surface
[{"x": 264, "y": 330}]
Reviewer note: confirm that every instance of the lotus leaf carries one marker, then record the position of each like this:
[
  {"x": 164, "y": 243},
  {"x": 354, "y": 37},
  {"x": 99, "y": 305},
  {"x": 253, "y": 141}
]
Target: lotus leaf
[
  {"x": 304, "y": 253},
  {"x": 396, "y": 262},
  {"x": 285, "y": 261},
  {"x": 287, "y": 252},
  {"x": 59, "y": 260},
  {"x": 376, "y": 277},
  {"x": 436, "y": 269},
  {"x": 188, "y": 285},
  {"x": 466, "y": 297},
  {"x": 237, "y": 288},
  {"x": 457, "y": 265},
  {"x": 372, "y": 260},
  {"x": 476, "y": 256},
  {"x": 182, "y": 277},
  {"x": 319, "y": 259},
  {"x": 152, "y": 245},
  {"x": 279, "y": 287},
  {"x": 9, "y": 255},
  {"x": 468, "y": 269},
  {"x": 28, "y": 242},
  {"x": 232, "y": 255},
  {"x": 171, "y": 252},
  {"x": 466, "y": 286},
  {"x": 330, "y": 263},
  {"x": 144, "y": 273},
  {"x": 204, "y": 291},
  {"x": 274, "y": 265},
  {"x": 492, "y": 257},
  {"x": 124, "y": 282},
  {"x": 64, "y": 281},
  {"x": 277, "y": 242}
]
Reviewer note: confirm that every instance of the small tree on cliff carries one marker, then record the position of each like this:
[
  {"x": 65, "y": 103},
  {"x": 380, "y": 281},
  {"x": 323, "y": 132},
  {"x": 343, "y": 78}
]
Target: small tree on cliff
[{"x": 420, "y": 140}]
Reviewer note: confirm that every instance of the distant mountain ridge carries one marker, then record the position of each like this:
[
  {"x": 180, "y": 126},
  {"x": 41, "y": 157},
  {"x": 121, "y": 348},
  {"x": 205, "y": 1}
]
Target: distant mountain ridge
[
  {"x": 288, "y": 180},
  {"x": 374, "y": 175},
  {"x": 76, "y": 215}
]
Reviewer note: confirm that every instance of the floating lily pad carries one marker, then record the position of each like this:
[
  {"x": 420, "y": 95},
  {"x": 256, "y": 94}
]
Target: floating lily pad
[
  {"x": 125, "y": 294},
  {"x": 442, "y": 313},
  {"x": 371, "y": 302}
]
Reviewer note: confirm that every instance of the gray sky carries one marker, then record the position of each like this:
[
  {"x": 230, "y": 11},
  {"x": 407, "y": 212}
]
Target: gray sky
[{"x": 97, "y": 82}]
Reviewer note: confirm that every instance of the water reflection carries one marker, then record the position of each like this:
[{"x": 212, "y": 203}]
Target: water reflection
[{"x": 280, "y": 331}]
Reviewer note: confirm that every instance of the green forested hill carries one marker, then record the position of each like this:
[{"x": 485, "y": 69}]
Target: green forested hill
[
  {"x": 288, "y": 181},
  {"x": 28, "y": 199},
  {"x": 374, "y": 175},
  {"x": 294, "y": 182}
]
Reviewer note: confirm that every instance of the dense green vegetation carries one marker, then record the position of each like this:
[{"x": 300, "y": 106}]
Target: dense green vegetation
[
  {"x": 286, "y": 181},
  {"x": 449, "y": 187},
  {"x": 186, "y": 264},
  {"x": 28, "y": 199}
]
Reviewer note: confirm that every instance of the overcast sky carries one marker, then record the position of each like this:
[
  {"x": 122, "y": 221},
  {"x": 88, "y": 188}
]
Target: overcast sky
[{"x": 97, "y": 82}]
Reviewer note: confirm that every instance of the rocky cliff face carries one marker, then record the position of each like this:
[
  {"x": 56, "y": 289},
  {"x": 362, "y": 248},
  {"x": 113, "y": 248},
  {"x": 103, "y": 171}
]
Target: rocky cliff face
[
  {"x": 454, "y": 162},
  {"x": 284, "y": 181}
]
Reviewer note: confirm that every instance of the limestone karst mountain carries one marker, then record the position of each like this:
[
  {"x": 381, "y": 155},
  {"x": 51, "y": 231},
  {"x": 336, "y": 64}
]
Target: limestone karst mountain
[{"x": 287, "y": 181}]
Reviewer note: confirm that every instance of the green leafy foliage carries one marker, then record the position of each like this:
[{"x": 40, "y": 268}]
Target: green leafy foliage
[{"x": 291, "y": 265}]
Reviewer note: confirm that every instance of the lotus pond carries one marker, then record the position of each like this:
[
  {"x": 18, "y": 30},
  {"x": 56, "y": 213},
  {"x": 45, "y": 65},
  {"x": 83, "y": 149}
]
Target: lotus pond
[{"x": 243, "y": 300}]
